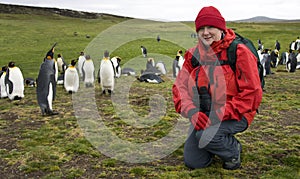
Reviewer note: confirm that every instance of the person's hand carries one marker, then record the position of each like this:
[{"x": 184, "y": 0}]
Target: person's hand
[{"x": 200, "y": 121}]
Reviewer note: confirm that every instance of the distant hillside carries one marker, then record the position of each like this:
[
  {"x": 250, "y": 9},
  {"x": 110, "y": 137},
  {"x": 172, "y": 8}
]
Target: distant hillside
[
  {"x": 19, "y": 9},
  {"x": 265, "y": 19}
]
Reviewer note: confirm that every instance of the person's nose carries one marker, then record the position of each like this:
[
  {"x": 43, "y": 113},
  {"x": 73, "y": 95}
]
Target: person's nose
[{"x": 205, "y": 30}]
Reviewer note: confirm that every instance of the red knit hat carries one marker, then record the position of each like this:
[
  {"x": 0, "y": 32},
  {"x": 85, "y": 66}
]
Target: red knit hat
[{"x": 210, "y": 16}]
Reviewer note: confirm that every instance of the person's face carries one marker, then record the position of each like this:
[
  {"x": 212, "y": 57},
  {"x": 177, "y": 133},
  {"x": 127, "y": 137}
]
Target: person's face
[{"x": 209, "y": 34}]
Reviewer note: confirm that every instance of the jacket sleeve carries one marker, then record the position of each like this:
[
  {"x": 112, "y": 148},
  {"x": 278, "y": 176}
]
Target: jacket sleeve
[
  {"x": 181, "y": 97},
  {"x": 249, "y": 94}
]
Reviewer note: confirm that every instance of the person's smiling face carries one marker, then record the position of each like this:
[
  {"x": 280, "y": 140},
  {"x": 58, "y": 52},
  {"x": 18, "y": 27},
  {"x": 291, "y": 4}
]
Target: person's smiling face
[{"x": 210, "y": 34}]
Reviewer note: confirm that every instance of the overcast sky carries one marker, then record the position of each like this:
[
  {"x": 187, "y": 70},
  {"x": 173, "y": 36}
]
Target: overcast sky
[{"x": 175, "y": 10}]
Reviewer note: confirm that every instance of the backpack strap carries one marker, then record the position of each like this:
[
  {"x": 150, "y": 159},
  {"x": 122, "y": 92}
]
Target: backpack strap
[
  {"x": 196, "y": 58},
  {"x": 231, "y": 54},
  {"x": 195, "y": 63}
]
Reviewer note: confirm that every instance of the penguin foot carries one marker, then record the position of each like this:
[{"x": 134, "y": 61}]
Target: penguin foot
[
  {"x": 48, "y": 112},
  {"x": 52, "y": 113},
  {"x": 17, "y": 98},
  {"x": 103, "y": 92},
  {"x": 44, "y": 112},
  {"x": 88, "y": 85}
]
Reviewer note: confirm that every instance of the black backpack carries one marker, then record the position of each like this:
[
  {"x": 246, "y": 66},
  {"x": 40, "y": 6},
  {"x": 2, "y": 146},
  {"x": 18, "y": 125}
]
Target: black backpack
[{"x": 231, "y": 55}]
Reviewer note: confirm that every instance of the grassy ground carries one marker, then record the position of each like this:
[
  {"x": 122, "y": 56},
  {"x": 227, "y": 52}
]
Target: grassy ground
[{"x": 73, "y": 145}]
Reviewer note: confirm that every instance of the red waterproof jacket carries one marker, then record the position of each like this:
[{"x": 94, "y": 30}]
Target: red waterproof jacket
[{"x": 234, "y": 94}]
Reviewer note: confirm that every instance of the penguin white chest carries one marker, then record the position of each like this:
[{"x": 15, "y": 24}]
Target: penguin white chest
[{"x": 107, "y": 74}]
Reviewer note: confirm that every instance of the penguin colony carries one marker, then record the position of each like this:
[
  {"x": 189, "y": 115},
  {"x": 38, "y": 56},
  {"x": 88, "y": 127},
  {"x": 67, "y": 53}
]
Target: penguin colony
[{"x": 55, "y": 72}]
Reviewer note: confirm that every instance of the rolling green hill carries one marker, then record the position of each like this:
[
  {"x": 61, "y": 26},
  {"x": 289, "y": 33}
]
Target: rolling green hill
[{"x": 29, "y": 32}]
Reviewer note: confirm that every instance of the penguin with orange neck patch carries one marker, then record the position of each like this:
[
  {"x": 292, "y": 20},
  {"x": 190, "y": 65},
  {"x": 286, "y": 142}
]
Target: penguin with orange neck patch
[
  {"x": 71, "y": 78},
  {"x": 46, "y": 84},
  {"x": 88, "y": 71},
  {"x": 107, "y": 74}
]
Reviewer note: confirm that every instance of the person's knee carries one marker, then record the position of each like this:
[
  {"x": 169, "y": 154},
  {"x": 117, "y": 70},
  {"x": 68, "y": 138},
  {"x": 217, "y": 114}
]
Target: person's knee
[{"x": 216, "y": 141}]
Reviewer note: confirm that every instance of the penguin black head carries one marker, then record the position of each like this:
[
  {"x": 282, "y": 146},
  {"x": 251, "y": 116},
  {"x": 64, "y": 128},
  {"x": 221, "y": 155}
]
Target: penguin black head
[
  {"x": 179, "y": 52},
  {"x": 150, "y": 59},
  {"x": 118, "y": 59},
  {"x": 4, "y": 68},
  {"x": 87, "y": 57},
  {"x": 106, "y": 54},
  {"x": 73, "y": 62},
  {"x": 11, "y": 64},
  {"x": 50, "y": 53}
]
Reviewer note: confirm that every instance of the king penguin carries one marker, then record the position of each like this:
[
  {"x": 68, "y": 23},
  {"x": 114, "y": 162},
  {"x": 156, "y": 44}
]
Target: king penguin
[
  {"x": 144, "y": 51},
  {"x": 71, "y": 78},
  {"x": 161, "y": 67},
  {"x": 116, "y": 62},
  {"x": 14, "y": 82},
  {"x": 3, "y": 93},
  {"x": 61, "y": 64},
  {"x": 88, "y": 71},
  {"x": 81, "y": 59},
  {"x": 181, "y": 59},
  {"x": 175, "y": 67},
  {"x": 46, "y": 84},
  {"x": 150, "y": 67},
  {"x": 107, "y": 73}
]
